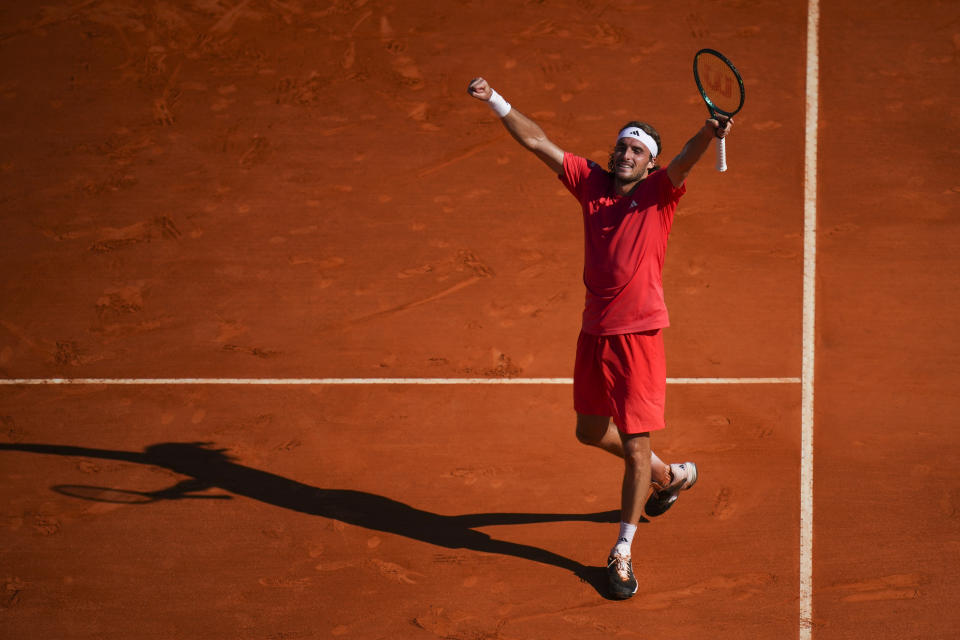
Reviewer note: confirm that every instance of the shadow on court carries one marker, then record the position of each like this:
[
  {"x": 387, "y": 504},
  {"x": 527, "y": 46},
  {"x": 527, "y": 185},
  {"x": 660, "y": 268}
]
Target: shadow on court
[{"x": 209, "y": 468}]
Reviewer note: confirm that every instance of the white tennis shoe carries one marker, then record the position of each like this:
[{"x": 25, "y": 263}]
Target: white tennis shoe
[{"x": 682, "y": 477}]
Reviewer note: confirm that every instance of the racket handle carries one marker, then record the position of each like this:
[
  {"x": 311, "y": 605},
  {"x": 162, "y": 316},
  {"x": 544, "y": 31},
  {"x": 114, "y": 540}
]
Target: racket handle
[{"x": 721, "y": 154}]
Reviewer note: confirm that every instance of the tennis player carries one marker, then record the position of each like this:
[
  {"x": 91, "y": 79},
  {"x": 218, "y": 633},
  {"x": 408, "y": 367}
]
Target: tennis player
[{"x": 620, "y": 370}]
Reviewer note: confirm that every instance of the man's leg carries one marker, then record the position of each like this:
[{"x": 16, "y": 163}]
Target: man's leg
[
  {"x": 636, "y": 484},
  {"x": 600, "y": 432},
  {"x": 636, "y": 476}
]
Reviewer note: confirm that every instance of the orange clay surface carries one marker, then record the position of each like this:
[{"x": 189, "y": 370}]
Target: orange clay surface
[{"x": 267, "y": 189}]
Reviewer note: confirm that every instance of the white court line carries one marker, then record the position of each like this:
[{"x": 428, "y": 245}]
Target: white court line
[
  {"x": 356, "y": 381},
  {"x": 809, "y": 315}
]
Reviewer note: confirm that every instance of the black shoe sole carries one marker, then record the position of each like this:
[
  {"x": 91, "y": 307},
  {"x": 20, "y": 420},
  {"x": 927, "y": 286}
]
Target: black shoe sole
[{"x": 657, "y": 507}]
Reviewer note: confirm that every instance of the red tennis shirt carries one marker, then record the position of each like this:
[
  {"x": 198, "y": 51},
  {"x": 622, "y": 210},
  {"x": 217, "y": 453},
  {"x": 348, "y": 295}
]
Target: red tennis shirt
[{"x": 625, "y": 242}]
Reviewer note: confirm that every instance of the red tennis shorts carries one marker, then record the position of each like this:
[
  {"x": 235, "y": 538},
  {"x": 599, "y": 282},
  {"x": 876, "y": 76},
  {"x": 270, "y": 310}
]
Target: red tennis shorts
[{"x": 624, "y": 377}]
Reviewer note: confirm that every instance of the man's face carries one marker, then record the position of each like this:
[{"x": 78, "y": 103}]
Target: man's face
[{"x": 631, "y": 160}]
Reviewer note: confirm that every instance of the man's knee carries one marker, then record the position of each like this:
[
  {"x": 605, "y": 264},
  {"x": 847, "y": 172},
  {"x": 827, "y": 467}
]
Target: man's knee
[
  {"x": 636, "y": 449},
  {"x": 591, "y": 429}
]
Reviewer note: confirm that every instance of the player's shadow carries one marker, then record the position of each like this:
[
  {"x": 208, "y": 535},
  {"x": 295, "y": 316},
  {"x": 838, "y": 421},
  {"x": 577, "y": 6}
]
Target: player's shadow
[{"x": 208, "y": 468}]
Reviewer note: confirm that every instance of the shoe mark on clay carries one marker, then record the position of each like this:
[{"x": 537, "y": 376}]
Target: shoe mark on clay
[
  {"x": 503, "y": 367},
  {"x": 164, "y": 104},
  {"x": 253, "y": 351},
  {"x": 590, "y": 8},
  {"x": 112, "y": 239},
  {"x": 749, "y": 31},
  {"x": 121, "y": 146},
  {"x": 289, "y": 445},
  {"x": 645, "y": 51},
  {"x": 286, "y": 635},
  {"x": 118, "y": 312},
  {"x": 722, "y": 508},
  {"x": 88, "y": 466},
  {"x": 535, "y": 262},
  {"x": 395, "y": 572},
  {"x": 892, "y": 587},
  {"x": 256, "y": 153},
  {"x": 542, "y": 28},
  {"x": 405, "y": 66},
  {"x": 593, "y": 623},
  {"x": 717, "y": 420},
  {"x": 45, "y": 525},
  {"x": 119, "y": 302},
  {"x": 229, "y": 329},
  {"x": 554, "y": 69},
  {"x": 589, "y": 31},
  {"x": 306, "y": 91},
  {"x": 603, "y": 33},
  {"x": 470, "y": 475},
  {"x": 71, "y": 351},
  {"x": 468, "y": 260},
  {"x": 116, "y": 181},
  {"x": 763, "y": 431},
  {"x": 225, "y": 24},
  {"x": 697, "y": 25},
  {"x": 12, "y": 589},
  {"x": 415, "y": 271},
  {"x": 324, "y": 264},
  {"x": 51, "y": 16},
  {"x": 10, "y": 431},
  {"x": 457, "y": 626},
  {"x": 843, "y": 228},
  {"x": 285, "y": 583},
  {"x": 63, "y": 236},
  {"x": 336, "y": 565},
  {"x": 740, "y": 587},
  {"x": 67, "y": 353},
  {"x": 950, "y": 503},
  {"x": 224, "y": 102}
]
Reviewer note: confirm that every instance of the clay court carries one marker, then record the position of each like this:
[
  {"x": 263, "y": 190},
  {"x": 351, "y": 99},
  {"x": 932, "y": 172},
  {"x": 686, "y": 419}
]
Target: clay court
[{"x": 287, "y": 322}]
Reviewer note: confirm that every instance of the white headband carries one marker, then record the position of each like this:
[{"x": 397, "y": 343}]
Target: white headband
[{"x": 642, "y": 136}]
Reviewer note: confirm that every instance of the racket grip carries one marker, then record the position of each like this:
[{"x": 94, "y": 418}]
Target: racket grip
[{"x": 721, "y": 154}]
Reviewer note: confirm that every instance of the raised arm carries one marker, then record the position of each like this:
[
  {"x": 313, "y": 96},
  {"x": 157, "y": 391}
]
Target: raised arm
[
  {"x": 679, "y": 168},
  {"x": 524, "y": 130}
]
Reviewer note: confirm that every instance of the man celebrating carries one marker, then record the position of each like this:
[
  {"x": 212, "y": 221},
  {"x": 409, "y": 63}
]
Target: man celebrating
[{"x": 620, "y": 369}]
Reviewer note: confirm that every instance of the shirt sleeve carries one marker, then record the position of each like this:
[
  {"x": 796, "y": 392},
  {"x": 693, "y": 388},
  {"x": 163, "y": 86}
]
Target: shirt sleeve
[
  {"x": 575, "y": 172},
  {"x": 667, "y": 192},
  {"x": 668, "y": 197}
]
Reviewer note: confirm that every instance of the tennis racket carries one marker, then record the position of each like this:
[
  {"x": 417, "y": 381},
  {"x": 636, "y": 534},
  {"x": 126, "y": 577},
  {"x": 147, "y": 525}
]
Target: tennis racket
[{"x": 721, "y": 87}]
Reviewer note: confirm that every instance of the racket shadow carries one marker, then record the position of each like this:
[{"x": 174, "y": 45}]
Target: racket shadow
[
  {"x": 210, "y": 468},
  {"x": 179, "y": 491}
]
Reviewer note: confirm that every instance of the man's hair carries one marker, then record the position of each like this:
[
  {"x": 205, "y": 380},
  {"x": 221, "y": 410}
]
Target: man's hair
[{"x": 653, "y": 134}]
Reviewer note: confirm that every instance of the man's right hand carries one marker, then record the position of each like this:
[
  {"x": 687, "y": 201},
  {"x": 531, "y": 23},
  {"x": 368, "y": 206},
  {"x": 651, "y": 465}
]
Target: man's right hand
[{"x": 480, "y": 89}]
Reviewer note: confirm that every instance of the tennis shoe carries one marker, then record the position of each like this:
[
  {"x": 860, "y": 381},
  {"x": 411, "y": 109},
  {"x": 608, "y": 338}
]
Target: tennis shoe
[
  {"x": 682, "y": 477},
  {"x": 620, "y": 575}
]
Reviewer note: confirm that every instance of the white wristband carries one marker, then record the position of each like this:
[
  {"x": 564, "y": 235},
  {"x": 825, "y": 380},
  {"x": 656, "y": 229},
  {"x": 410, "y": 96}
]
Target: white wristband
[{"x": 500, "y": 106}]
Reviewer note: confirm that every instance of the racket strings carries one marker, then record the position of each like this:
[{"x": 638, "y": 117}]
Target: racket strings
[{"x": 719, "y": 83}]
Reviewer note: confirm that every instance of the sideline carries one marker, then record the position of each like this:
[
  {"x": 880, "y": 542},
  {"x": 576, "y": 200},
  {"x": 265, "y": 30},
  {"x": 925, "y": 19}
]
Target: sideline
[{"x": 809, "y": 315}]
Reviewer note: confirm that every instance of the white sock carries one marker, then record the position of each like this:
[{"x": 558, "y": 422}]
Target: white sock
[{"x": 625, "y": 541}]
